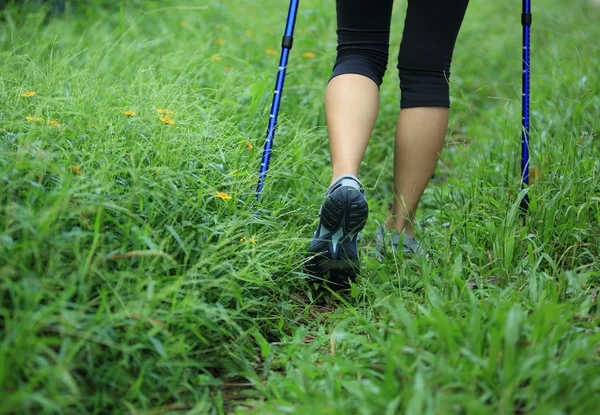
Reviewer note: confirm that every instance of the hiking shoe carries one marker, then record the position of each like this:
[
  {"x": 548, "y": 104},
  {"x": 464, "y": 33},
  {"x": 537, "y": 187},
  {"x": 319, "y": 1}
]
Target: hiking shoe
[
  {"x": 334, "y": 248},
  {"x": 410, "y": 247}
]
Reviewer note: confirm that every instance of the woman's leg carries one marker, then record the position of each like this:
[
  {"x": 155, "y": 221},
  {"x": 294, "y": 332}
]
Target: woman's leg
[
  {"x": 420, "y": 135},
  {"x": 352, "y": 95},
  {"x": 430, "y": 32},
  {"x": 351, "y": 107},
  {"x": 351, "y": 104}
]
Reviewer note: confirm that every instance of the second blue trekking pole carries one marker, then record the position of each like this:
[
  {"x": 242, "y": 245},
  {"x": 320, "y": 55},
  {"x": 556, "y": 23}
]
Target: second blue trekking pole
[
  {"x": 525, "y": 159},
  {"x": 286, "y": 46}
]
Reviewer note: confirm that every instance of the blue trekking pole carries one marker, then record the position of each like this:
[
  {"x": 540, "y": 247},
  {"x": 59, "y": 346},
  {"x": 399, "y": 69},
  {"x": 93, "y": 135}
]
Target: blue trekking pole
[
  {"x": 526, "y": 22},
  {"x": 286, "y": 46}
]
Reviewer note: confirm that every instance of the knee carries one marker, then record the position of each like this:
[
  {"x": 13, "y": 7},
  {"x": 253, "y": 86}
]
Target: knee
[
  {"x": 362, "y": 52},
  {"x": 424, "y": 87}
]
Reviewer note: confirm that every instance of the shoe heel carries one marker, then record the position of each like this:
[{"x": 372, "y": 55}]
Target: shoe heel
[{"x": 346, "y": 208}]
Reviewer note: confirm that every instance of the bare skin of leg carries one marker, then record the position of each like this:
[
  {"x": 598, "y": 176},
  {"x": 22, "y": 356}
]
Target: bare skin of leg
[
  {"x": 351, "y": 107},
  {"x": 420, "y": 136}
]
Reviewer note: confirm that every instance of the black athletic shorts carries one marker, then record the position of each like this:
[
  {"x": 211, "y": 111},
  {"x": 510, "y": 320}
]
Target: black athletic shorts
[{"x": 430, "y": 31}]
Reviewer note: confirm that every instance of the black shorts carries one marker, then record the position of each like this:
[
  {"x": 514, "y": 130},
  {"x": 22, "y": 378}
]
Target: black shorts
[{"x": 430, "y": 32}]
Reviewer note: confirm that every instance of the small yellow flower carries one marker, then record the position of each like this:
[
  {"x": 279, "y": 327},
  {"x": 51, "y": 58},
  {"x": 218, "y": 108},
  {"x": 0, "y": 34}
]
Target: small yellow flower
[
  {"x": 28, "y": 94},
  {"x": 249, "y": 32},
  {"x": 227, "y": 69},
  {"x": 249, "y": 144},
  {"x": 76, "y": 170},
  {"x": 220, "y": 42},
  {"x": 223, "y": 196},
  {"x": 251, "y": 240},
  {"x": 34, "y": 118},
  {"x": 308, "y": 55},
  {"x": 271, "y": 52},
  {"x": 54, "y": 123},
  {"x": 167, "y": 120},
  {"x": 162, "y": 111},
  {"x": 129, "y": 113},
  {"x": 215, "y": 58}
]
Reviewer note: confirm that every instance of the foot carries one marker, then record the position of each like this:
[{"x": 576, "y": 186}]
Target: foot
[
  {"x": 409, "y": 245},
  {"x": 334, "y": 248}
]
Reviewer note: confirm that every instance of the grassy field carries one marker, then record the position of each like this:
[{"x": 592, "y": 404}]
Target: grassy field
[{"x": 127, "y": 285}]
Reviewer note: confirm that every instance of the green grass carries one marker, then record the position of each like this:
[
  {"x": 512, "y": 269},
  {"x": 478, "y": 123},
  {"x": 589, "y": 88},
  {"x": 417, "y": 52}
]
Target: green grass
[{"x": 131, "y": 288}]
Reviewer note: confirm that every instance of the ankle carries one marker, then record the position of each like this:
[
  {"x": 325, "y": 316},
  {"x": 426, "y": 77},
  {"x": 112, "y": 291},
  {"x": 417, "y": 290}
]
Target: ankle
[
  {"x": 336, "y": 174},
  {"x": 345, "y": 180},
  {"x": 399, "y": 225}
]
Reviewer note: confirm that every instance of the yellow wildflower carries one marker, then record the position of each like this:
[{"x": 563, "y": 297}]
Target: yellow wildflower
[
  {"x": 249, "y": 144},
  {"x": 227, "y": 69},
  {"x": 162, "y": 111},
  {"x": 215, "y": 58},
  {"x": 28, "y": 94},
  {"x": 243, "y": 239},
  {"x": 129, "y": 113},
  {"x": 271, "y": 52},
  {"x": 308, "y": 55},
  {"x": 167, "y": 120},
  {"x": 249, "y": 32},
  {"x": 252, "y": 240},
  {"x": 34, "y": 118},
  {"x": 223, "y": 196},
  {"x": 54, "y": 123},
  {"x": 220, "y": 42},
  {"x": 76, "y": 170}
]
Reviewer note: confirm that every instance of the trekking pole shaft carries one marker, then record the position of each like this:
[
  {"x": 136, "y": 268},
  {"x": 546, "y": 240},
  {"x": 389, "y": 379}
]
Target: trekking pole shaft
[
  {"x": 525, "y": 159},
  {"x": 286, "y": 46}
]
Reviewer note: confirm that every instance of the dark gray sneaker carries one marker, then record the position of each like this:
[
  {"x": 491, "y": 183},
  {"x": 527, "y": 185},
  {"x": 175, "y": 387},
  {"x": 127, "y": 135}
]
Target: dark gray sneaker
[
  {"x": 409, "y": 245},
  {"x": 334, "y": 248}
]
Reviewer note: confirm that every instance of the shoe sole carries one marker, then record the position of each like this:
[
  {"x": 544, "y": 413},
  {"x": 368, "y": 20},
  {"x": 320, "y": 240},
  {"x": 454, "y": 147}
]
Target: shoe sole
[{"x": 335, "y": 249}]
